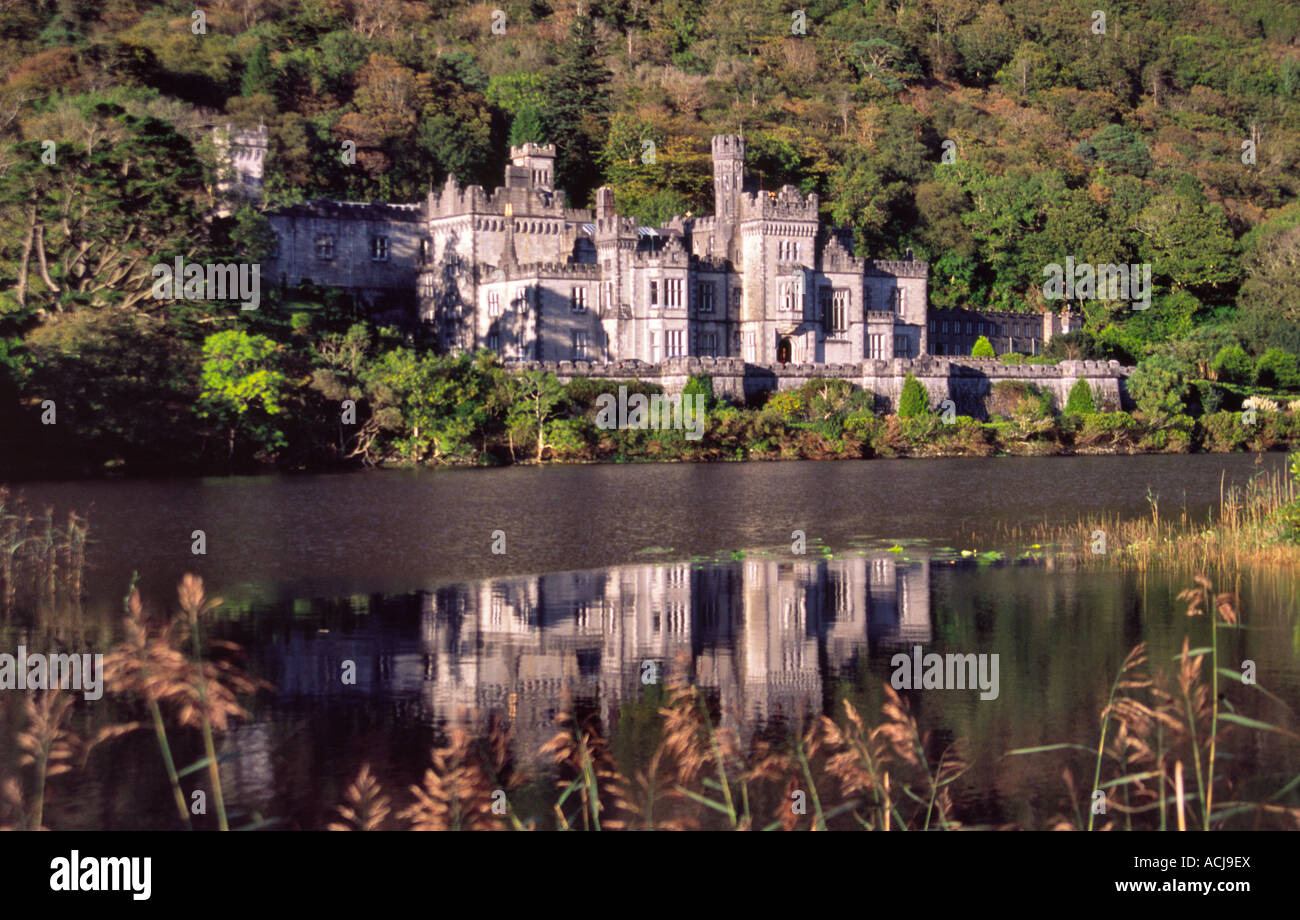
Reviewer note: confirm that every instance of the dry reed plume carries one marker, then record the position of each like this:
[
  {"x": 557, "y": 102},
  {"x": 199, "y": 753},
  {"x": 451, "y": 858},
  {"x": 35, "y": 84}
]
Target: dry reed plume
[
  {"x": 164, "y": 665},
  {"x": 1155, "y": 729}
]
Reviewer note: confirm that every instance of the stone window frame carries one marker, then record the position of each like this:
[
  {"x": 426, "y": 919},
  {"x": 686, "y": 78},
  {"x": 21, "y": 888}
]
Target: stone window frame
[
  {"x": 578, "y": 298},
  {"x": 578, "y": 340},
  {"x": 674, "y": 294},
  {"x": 786, "y": 297},
  {"x": 674, "y": 343},
  {"x": 325, "y": 247},
  {"x": 704, "y": 292},
  {"x": 379, "y": 248},
  {"x": 841, "y": 302}
]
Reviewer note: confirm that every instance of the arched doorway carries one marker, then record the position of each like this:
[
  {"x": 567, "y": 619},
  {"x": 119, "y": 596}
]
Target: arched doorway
[{"x": 783, "y": 349}]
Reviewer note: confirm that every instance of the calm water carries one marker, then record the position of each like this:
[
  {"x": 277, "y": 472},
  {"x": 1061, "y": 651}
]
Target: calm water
[{"x": 612, "y": 570}]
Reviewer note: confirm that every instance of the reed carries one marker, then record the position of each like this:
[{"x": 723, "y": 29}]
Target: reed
[
  {"x": 40, "y": 560},
  {"x": 1153, "y": 724},
  {"x": 165, "y": 665},
  {"x": 1254, "y": 525}
]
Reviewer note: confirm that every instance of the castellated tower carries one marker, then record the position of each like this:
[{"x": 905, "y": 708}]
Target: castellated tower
[
  {"x": 728, "y": 183},
  {"x": 538, "y": 161},
  {"x": 242, "y": 155}
]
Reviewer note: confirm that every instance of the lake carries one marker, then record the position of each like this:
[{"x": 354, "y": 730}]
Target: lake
[{"x": 612, "y": 578}]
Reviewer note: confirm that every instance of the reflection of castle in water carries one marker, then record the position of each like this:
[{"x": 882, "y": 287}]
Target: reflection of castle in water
[{"x": 763, "y": 635}]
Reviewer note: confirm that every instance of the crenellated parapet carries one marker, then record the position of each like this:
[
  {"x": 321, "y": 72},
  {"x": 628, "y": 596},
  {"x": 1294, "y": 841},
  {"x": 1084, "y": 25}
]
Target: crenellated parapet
[
  {"x": 787, "y": 204},
  {"x": 897, "y": 268}
]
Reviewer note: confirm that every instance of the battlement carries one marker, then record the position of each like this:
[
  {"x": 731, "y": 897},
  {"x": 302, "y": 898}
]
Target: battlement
[
  {"x": 897, "y": 268},
  {"x": 728, "y": 147},
  {"x": 533, "y": 150},
  {"x": 584, "y": 270},
  {"x": 787, "y": 204}
]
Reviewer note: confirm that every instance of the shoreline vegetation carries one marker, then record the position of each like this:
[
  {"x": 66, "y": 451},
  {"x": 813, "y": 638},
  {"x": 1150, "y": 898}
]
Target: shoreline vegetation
[
  {"x": 367, "y": 407},
  {"x": 1255, "y": 525}
]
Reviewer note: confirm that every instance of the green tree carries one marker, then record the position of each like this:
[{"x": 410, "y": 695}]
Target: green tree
[
  {"x": 914, "y": 401},
  {"x": 577, "y": 106},
  {"x": 1159, "y": 385},
  {"x": 243, "y": 388},
  {"x": 122, "y": 195},
  {"x": 1278, "y": 369},
  {"x": 259, "y": 73},
  {"x": 526, "y": 127},
  {"x": 1080, "y": 400},
  {"x": 538, "y": 397},
  {"x": 982, "y": 348},
  {"x": 1232, "y": 365}
]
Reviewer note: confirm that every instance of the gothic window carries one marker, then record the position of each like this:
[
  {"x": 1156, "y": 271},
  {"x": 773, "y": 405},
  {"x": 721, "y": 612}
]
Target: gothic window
[
  {"x": 494, "y": 341},
  {"x": 379, "y": 249},
  {"x": 788, "y": 299},
  {"x": 578, "y": 299},
  {"x": 579, "y": 339},
  {"x": 494, "y": 303},
  {"x": 707, "y": 344},
  {"x": 324, "y": 247},
  {"x": 674, "y": 342},
  {"x": 840, "y": 311},
  {"x": 896, "y": 300}
]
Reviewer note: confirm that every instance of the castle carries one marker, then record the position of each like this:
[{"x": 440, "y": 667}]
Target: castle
[{"x": 521, "y": 274}]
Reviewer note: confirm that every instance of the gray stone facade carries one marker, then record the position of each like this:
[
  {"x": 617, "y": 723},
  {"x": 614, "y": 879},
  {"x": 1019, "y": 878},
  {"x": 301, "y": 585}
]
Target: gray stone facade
[{"x": 518, "y": 272}]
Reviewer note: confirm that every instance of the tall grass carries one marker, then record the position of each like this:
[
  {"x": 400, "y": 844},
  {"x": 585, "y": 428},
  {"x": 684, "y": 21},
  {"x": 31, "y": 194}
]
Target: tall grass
[
  {"x": 1252, "y": 525},
  {"x": 41, "y": 559}
]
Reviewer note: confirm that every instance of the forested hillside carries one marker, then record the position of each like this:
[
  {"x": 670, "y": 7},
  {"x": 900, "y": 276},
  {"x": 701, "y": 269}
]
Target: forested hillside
[{"x": 991, "y": 138}]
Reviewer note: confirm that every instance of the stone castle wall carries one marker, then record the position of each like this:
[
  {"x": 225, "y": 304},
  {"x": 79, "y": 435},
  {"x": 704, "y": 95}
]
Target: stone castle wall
[{"x": 967, "y": 382}]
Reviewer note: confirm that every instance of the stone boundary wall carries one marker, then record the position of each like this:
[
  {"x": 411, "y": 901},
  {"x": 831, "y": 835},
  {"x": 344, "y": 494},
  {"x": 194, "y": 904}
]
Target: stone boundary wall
[{"x": 966, "y": 381}]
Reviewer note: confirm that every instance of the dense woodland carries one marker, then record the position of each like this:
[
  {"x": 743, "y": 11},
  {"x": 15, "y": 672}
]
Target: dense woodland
[{"x": 1171, "y": 137}]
